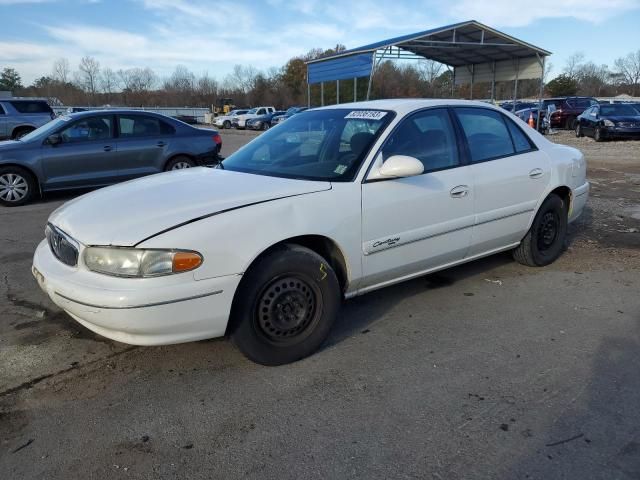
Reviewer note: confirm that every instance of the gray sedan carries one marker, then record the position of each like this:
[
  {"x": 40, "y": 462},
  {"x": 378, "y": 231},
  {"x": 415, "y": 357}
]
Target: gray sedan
[{"x": 97, "y": 148}]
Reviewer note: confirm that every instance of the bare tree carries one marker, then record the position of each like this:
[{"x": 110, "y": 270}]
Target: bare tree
[
  {"x": 429, "y": 70},
  {"x": 629, "y": 69},
  {"x": 88, "y": 76},
  {"x": 61, "y": 70},
  {"x": 181, "y": 80},
  {"x": 572, "y": 65},
  {"x": 109, "y": 82},
  {"x": 242, "y": 78}
]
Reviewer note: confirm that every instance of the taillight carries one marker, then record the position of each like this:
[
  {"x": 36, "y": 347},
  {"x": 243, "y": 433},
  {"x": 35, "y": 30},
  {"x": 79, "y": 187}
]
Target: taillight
[{"x": 217, "y": 138}]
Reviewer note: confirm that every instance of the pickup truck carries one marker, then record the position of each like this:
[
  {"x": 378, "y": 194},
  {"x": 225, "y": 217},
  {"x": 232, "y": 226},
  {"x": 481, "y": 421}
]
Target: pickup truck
[{"x": 240, "y": 121}]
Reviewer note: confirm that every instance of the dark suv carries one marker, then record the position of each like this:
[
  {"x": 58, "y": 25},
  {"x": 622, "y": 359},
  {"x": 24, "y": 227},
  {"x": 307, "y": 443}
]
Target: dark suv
[
  {"x": 21, "y": 116},
  {"x": 567, "y": 110}
]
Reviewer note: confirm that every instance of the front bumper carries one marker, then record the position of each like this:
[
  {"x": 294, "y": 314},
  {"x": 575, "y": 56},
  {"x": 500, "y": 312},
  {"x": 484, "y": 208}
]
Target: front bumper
[
  {"x": 621, "y": 132},
  {"x": 151, "y": 311}
]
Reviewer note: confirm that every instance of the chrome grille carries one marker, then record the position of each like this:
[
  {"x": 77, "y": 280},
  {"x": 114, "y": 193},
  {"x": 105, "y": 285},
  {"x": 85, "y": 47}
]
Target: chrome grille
[
  {"x": 64, "y": 248},
  {"x": 629, "y": 124}
]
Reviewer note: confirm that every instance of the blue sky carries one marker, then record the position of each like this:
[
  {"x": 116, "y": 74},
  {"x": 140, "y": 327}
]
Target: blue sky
[{"x": 212, "y": 36}]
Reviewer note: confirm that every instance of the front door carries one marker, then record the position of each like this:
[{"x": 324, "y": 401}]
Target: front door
[
  {"x": 509, "y": 175},
  {"x": 85, "y": 156},
  {"x": 411, "y": 225}
]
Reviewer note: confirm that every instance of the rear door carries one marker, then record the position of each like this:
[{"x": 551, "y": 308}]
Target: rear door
[
  {"x": 143, "y": 143},
  {"x": 3, "y": 123},
  {"x": 414, "y": 224},
  {"x": 509, "y": 175},
  {"x": 84, "y": 157}
]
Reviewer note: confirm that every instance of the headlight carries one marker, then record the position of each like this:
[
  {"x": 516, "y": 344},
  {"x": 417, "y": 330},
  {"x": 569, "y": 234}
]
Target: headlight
[
  {"x": 140, "y": 263},
  {"x": 608, "y": 123}
]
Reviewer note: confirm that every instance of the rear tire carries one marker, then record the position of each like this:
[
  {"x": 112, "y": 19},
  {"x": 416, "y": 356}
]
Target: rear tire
[
  {"x": 178, "y": 163},
  {"x": 545, "y": 240},
  {"x": 285, "y": 306},
  {"x": 17, "y": 186},
  {"x": 21, "y": 132}
]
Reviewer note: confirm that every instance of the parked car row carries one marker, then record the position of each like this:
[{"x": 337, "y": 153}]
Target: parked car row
[
  {"x": 100, "y": 147},
  {"x": 259, "y": 118}
]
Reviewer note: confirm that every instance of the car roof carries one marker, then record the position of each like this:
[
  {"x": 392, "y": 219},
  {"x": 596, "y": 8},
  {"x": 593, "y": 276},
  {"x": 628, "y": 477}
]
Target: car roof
[
  {"x": 114, "y": 111},
  {"x": 406, "y": 105}
]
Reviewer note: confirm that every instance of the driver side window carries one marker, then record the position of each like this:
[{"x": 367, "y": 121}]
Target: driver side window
[
  {"x": 88, "y": 129},
  {"x": 427, "y": 136}
]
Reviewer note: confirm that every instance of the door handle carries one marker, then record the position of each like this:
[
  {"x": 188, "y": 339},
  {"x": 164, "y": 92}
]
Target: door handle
[
  {"x": 536, "y": 173},
  {"x": 460, "y": 191},
  {"x": 161, "y": 144},
  {"x": 107, "y": 148}
]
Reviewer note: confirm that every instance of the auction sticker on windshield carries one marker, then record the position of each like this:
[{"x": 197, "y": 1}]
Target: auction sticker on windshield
[{"x": 366, "y": 114}]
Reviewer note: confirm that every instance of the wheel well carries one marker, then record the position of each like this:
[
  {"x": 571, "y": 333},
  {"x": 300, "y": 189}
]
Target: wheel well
[
  {"x": 565, "y": 194},
  {"x": 19, "y": 128},
  {"x": 323, "y": 246},
  {"x": 26, "y": 169}
]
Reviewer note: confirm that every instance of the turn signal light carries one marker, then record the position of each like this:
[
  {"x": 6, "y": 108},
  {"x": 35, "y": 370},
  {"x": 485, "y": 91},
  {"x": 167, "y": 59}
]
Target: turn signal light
[{"x": 185, "y": 261}]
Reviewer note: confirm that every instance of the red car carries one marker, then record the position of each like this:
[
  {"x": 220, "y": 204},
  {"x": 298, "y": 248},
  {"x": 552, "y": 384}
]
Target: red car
[{"x": 567, "y": 110}]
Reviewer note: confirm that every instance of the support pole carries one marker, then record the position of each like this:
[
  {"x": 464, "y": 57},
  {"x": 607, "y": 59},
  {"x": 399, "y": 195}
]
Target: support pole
[
  {"x": 473, "y": 74},
  {"x": 542, "y": 63},
  {"x": 453, "y": 80},
  {"x": 337, "y": 92},
  {"x": 322, "y": 94},
  {"x": 355, "y": 89},
  {"x": 493, "y": 83},
  {"x": 369, "y": 86},
  {"x": 515, "y": 87},
  {"x": 308, "y": 95}
]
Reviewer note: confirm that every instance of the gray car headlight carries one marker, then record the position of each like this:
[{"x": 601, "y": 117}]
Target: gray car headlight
[
  {"x": 608, "y": 123},
  {"x": 140, "y": 263}
]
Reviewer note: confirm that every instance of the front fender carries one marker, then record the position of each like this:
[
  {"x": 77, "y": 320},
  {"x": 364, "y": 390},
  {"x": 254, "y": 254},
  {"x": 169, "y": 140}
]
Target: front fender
[{"x": 231, "y": 241}]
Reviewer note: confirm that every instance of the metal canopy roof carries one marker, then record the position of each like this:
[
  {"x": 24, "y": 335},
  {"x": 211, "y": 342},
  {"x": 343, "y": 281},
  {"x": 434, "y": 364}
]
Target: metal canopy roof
[{"x": 461, "y": 44}]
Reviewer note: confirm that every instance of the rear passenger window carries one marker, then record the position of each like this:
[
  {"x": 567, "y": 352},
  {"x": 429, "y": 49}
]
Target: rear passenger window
[
  {"x": 520, "y": 139},
  {"x": 31, "y": 107},
  {"x": 1, "y": 110},
  {"x": 486, "y": 132},
  {"x": 141, "y": 126},
  {"x": 427, "y": 136}
]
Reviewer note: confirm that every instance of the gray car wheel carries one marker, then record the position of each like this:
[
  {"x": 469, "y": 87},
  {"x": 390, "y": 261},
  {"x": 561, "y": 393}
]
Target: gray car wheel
[{"x": 17, "y": 186}]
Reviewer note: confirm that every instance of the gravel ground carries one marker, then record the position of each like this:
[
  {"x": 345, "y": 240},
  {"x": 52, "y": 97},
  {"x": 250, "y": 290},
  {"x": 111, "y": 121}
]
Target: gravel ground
[{"x": 488, "y": 370}]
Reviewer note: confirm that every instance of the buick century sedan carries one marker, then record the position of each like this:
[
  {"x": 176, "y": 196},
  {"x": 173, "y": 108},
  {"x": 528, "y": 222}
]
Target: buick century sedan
[{"x": 334, "y": 203}]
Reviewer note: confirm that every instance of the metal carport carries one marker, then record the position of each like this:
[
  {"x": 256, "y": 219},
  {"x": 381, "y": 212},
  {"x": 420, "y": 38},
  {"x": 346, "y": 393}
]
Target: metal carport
[{"x": 473, "y": 51}]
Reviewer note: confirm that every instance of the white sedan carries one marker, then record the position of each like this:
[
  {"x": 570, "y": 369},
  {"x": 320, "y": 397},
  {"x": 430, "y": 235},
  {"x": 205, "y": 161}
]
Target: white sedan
[{"x": 334, "y": 203}]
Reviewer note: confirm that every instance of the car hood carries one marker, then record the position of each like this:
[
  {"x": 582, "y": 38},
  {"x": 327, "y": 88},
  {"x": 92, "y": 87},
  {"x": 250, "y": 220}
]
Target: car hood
[
  {"x": 10, "y": 145},
  {"x": 622, "y": 118},
  {"x": 127, "y": 213}
]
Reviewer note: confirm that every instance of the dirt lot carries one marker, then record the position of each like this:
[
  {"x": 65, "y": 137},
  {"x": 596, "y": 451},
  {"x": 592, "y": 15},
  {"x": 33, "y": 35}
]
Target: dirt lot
[{"x": 489, "y": 370}]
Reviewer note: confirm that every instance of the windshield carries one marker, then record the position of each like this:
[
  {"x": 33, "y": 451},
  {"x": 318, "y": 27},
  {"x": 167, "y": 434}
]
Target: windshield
[
  {"x": 618, "y": 110},
  {"x": 253, "y": 110},
  {"x": 314, "y": 145},
  {"x": 46, "y": 129}
]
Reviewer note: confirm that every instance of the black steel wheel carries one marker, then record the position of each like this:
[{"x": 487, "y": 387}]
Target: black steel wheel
[
  {"x": 284, "y": 306},
  {"x": 545, "y": 240},
  {"x": 579, "y": 132}
]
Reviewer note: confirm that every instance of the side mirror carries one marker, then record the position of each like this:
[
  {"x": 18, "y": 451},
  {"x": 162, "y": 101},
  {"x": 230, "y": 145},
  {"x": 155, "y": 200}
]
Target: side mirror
[
  {"x": 54, "y": 139},
  {"x": 398, "y": 166}
]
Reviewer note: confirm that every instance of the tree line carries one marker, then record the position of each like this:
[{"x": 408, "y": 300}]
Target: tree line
[{"x": 93, "y": 84}]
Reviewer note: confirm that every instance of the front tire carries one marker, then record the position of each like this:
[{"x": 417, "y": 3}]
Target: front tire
[
  {"x": 579, "y": 132},
  {"x": 285, "y": 306},
  {"x": 17, "y": 186},
  {"x": 226, "y": 124},
  {"x": 545, "y": 240},
  {"x": 597, "y": 135}
]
